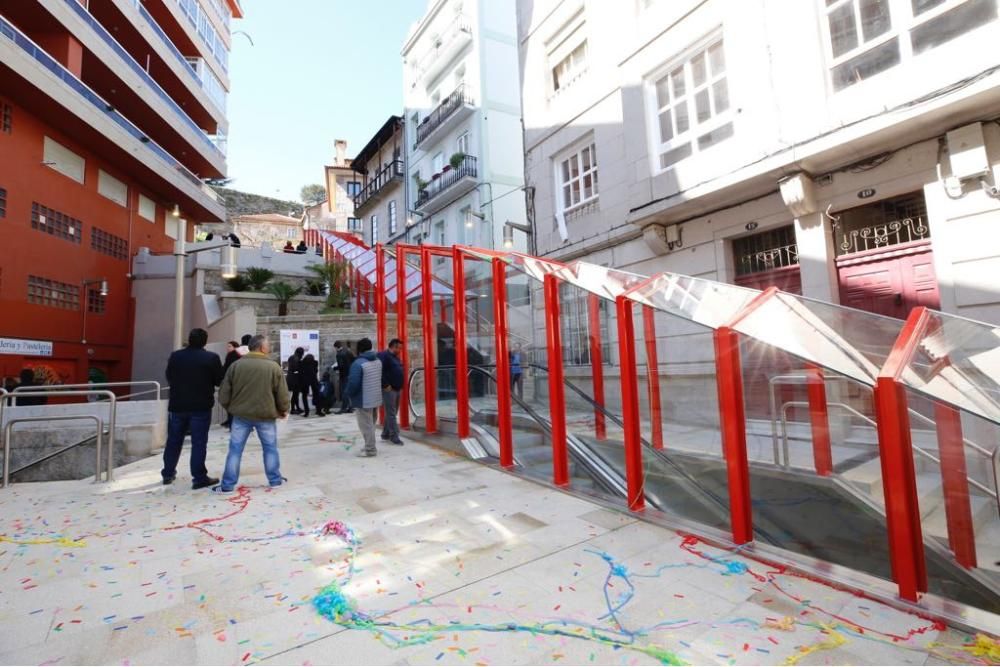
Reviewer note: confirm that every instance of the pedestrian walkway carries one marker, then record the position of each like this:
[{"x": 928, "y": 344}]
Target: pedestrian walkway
[{"x": 417, "y": 556}]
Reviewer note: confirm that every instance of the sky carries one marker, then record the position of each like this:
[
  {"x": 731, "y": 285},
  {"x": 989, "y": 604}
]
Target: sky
[{"x": 318, "y": 70}]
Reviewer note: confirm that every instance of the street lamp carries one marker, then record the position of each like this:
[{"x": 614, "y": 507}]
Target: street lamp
[
  {"x": 102, "y": 290},
  {"x": 508, "y": 233},
  {"x": 227, "y": 266}
]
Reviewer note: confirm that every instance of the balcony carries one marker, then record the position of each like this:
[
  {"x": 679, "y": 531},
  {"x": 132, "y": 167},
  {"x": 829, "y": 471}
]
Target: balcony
[
  {"x": 203, "y": 140},
  {"x": 452, "y": 110},
  {"x": 447, "y": 45},
  {"x": 391, "y": 173},
  {"x": 454, "y": 181},
  {"x": 92, "y": 100}
]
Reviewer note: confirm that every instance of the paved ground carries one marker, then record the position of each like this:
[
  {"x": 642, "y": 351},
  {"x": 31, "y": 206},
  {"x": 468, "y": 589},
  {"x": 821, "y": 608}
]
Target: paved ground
[{"x": 414, "y": 557}]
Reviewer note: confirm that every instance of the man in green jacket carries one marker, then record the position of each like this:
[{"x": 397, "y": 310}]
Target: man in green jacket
[{"x": 255, "y": 394}]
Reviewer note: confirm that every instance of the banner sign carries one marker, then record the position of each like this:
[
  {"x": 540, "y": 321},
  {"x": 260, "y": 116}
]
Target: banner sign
[
  {"x": 28, "y": 348},
  {"x": 307, "y": 339}
]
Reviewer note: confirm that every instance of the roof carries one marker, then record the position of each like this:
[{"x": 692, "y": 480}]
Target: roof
[
  {"x": 383, "y": 135},
  {"x": 268, "y": 218}
]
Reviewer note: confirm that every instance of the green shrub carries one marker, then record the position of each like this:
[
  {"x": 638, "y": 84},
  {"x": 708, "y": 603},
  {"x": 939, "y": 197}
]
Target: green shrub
[
  {"x": 284, "y": 293},
  {"x": 259, "y": 277},
  {"x": 238, "y": 283}
]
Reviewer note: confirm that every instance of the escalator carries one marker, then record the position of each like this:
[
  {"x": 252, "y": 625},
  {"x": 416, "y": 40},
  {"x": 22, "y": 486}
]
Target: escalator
[{"x": 823, "y": 518}]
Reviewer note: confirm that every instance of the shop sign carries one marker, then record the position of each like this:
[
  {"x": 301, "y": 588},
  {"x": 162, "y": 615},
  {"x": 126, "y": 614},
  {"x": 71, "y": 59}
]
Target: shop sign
[{"x": 27, "y": 348}]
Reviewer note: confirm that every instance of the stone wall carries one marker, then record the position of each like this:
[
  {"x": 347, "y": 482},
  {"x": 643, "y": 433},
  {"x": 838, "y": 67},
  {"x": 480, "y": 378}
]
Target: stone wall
[
  {"x": 349, "y": 326},
  {"x": 214, "y": 283},
  {"x": 266, "y": 306}
]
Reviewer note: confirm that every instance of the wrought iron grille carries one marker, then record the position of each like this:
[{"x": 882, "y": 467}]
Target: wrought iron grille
[
  {"x": 771, "y": 249},
  {"x": 882, "y": 224}
]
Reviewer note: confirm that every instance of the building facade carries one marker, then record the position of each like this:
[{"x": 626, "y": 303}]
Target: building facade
[
  {"x": 463, "y": 144},
  {"x": 380, "y": 204},
  {"x": 844, "y": 150},
  {"x": 112, "y": 116},
  {"x": 337, "y": 213}
]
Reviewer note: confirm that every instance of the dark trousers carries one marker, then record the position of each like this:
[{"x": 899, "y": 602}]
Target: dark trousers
[
  {"x": 345, "y": 400},
  {"x": 178, "y": 424},
  {"x": 309, "y": 388},
  {"x": 296, "y": 390}
]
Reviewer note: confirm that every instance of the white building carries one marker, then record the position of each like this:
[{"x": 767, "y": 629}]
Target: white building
[
  {"x": 844, "y": 149},
  {"x": 465, "y": 160}
]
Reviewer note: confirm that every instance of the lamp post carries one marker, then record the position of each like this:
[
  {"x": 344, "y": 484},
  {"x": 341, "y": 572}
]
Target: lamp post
[
  {"x": 227, "y": 267},
  {"x": 508, "y": 235},
  {"x": 86, "y": 302}
]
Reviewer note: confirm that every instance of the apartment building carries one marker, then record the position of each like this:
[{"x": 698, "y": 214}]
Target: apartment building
[
  {"x": 842, "y": 149},
  {"x": 342, "y": 185},
  {"x": 112, "y": 116},
  {"x": 463, "y": 156},
  {"x": 380, "y": 204}
]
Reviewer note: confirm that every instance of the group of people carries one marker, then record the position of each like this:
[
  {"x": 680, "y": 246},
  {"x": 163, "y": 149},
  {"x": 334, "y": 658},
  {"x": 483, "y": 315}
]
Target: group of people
[
  {"x": 256, "y": 393},
  {"x": 300, "y": 249},
  {"x": 26, "y": 379}
]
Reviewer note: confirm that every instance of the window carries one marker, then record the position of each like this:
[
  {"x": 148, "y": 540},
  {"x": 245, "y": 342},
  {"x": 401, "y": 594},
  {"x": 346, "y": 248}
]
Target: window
[
  {"x": 353, "y": 188},
  {"x": 108, "y": 244},
  {"x": 462, "y": 145},
  {"x": 45, "y": 292},
  {"x": 437, "y": 163},
  {"x": 885, "y": 223},
  {"x": 6, "y": 117},
  {"x": 570, "y": 67},
  {"x": 867, "y": 37},
  {"x": 112, "y": 188},
  {"x": 691, "y": 104},
  {"x": 374, "y": 229},
  {"x": 578, "y": 178},
  {"x": 765, "y": 251},
  {"x": 574, "y": 314},
  {"x": 55, "y": 223},
  {"x": 63, "y": 160},
  {"x": 147, "y": 208},
  {"x": 96, "y": 302},
  {"x": 3, "y": 203},
  {"x": 392, "y": 218},
  {"x": 354, "y": 224}
]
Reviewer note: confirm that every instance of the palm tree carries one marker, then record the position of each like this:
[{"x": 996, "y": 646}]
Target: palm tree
[
  {"x": 284, "y": 293},
  {"x": 334, "y": 275}
]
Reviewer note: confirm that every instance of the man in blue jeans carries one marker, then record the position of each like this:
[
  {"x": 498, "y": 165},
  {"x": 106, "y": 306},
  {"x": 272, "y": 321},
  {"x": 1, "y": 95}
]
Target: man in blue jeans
[
  {"x": 255, "y": 393},
  {"x": 193, "y": 374}
]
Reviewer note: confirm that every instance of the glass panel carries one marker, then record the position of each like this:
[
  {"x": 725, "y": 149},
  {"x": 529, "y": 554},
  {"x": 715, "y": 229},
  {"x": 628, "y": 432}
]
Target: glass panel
[
  {"x": 588, "y": 187},
  {"x": 683, "y": 122},
  {"x": 662, "y": 93},
  {"x": 666, "y": 127},
  {"x": 921, "y": 6},
  {"x": 716, "y": 59},
  {"x": 875, "y": 19},
  {"x": 585, "y": 156},
  {"x": 703, "y": 108},
  {"x": 867, "y": 64},
  {"x": 677, "y": 82},
  {"x": 720, "y": 93},
  {"x": 698, "y": 70},
  {"x": 951, "y": 24},
  {"x": 720, "y": 133},
  {"x": 444, "y": 331},
  {"x": 843, "y": 31},
  {"x": 415, "y": 344}
]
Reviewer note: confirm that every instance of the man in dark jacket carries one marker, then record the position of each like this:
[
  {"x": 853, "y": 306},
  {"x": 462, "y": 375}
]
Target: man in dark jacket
[
  {"x": 232, "y": 356},
  {"x": 309, "y": 384},
  {"x": 344, "y": 360},
  {"x": 292, "y": 378},
  {"x": 392, "y": 384},
  {"x": 193, "y": 374}
]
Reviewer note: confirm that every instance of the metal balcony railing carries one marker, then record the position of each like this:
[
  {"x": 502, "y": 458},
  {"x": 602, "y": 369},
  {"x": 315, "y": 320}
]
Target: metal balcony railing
[
  {"x": 446, "y": 180},
  {"x": 441, "y": 113},
  {"x": 390, "y": 173},
  {"x": 8, "y": 31},
  {"x": 127, "y": 58}
]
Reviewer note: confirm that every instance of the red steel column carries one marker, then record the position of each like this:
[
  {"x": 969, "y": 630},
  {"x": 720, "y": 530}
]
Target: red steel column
[
  {"x": 430, "y": 342},
  {"x": 955, "y": 484},
  {"x": 596, "y": 363},
  {"x": 381, "y": 322},
  {"x": 557, "y": 401},
  {"x": 630, "y": 404},
  {"x": 357, "y": 287},
  {"x": 653, "y": 375},
  {"x": 461, "y": 352},
  {"x": 819, "y": 418},
  {"x": 503, "y": 362},
  {"x": 899, "y": 482},
  {"x": 403, "y": 333},
  {"x": 729, "y": 379}
]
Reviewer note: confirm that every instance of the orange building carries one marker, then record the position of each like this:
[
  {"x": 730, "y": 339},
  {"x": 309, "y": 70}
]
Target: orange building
[{"x": 112, "y": 116}]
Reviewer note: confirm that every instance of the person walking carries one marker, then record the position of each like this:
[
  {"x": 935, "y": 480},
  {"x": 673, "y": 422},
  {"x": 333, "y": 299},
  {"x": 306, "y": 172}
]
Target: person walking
[
  {"x": 344, "y": 361},
  {"x": 364, "y": 384},
  {"x": 392, "y": 384},
  {"x": 193, "y": 373},
  {"x": 309, "y": 384},
  {"x": 232, "y": 356},
  {"x": 294, "y": 365},
  {"x": 517, "y": 371},
  {"x": 255, "y": 394}
]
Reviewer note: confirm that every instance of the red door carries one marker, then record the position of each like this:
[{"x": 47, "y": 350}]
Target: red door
[{"x": 889, "y": 282}]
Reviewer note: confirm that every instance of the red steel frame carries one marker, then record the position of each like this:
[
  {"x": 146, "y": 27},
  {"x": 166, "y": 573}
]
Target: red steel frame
[
  {"x": 503, "y": 362},
  {"x": 653, "y": 375},
  {"x": 461, "y": 351},
  {"x": 403, "y": 333},
  {"x": 430, "y": 366},
  {"x": 630, "y": 405},
  {"x": 557, "y": 399},
  {"x": 906, "y": 545},
  {"x": 955, "y": 485},
  {"x": 819, "y": 418},
  {"x": 596, "y": 364}
]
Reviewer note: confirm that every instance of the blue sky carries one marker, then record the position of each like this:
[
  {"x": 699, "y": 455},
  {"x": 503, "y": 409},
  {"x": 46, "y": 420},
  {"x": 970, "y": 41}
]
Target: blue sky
[{"x": 318, "y": 70}]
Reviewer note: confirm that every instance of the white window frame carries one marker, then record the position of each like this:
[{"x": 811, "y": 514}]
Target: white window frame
[
  {"x": 112, "y": 188},
  {"x": 392, "y": 217},
  {"x": 576, "y": 152},
  {"x": 902, "y": 22},
  {"x": 63, "y": 160},
  {"x": 374, "y": 228},
  {"x": 560, "y": 48},
  {"x": 146, "y": 208},
  {"x": 462, "y": 143},
  {"x": 695, "y": 130}
]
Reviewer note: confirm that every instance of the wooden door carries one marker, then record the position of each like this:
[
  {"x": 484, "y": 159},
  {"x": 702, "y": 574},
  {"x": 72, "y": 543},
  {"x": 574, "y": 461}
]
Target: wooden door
[{"x": 890, "y": 282}]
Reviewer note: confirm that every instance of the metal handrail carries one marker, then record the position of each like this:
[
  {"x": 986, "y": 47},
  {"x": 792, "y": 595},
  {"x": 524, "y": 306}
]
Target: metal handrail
[
  {"x": 919, "y": 450},
  {"x": 9, "y": 428},
  {"x": 98, "y": 385},
  {"x": 112, "y": 416}
]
